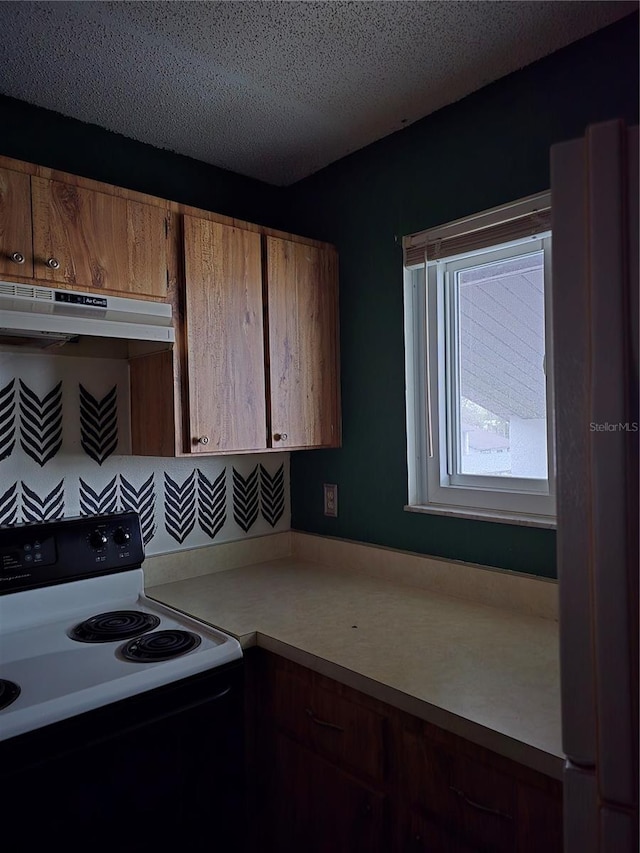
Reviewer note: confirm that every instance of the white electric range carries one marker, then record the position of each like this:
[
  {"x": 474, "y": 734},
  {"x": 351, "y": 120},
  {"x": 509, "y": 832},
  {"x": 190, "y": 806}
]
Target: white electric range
[
  {"x": 79, "y": 632},
  {"x": 93, "y": 672}
]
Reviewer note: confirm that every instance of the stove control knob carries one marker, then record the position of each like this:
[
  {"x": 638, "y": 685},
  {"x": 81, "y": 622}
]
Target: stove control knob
[
  {"x": 121, "y": 536},
  {"x": 97, "y": 539}
]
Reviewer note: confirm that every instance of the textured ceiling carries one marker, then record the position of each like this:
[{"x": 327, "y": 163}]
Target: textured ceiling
[{"x": 273, "y": 90}]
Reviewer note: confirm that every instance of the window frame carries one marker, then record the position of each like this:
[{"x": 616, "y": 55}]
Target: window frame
[{"x": 431, "y": 488}]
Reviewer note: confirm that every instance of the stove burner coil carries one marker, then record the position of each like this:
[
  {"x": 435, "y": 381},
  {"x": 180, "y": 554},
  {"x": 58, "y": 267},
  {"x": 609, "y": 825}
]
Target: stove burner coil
[
  {"x": 9, "y": 692},
  {"x": 116, "y": 625},
  {"x": 161, "y": 645}
]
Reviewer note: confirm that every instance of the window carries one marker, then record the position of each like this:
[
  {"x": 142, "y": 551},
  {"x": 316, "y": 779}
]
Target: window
[{"x": 478, "y": 366}]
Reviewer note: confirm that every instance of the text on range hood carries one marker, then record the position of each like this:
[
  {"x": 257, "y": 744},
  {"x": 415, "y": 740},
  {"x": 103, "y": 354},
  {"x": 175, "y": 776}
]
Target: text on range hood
[{"x": 43, "y": 317}]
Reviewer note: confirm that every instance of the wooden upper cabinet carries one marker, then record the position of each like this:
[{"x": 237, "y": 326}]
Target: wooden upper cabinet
[
  {"x": 255, "y": 364},
  {"x": 302, "y": 290},
  {"x": 16, "y": 255},
  {"x": 224, "y": 337},
  {"x": 88, "y": 239}
]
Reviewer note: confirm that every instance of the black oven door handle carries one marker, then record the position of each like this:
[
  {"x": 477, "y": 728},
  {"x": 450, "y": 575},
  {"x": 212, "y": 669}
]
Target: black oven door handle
[
  {"x": 121, "y": 719},
  {"x": 180, "y": 709},
  {"x": 145, "y": 722}
]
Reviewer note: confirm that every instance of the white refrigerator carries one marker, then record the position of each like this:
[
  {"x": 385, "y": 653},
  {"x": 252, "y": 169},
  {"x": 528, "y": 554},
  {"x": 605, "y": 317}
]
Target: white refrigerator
[{"x": 594, "y": 200}]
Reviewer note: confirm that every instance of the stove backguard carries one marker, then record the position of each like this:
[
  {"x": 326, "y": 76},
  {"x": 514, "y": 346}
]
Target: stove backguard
[{"x": 53, "y": 552}]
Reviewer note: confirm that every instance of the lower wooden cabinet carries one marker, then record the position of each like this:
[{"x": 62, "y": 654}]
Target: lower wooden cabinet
[
  {"x": 540, "y": 818},
  {"x": 319, "y": 808},
  {"x": 471, "y": 798},
  {"x": 344, "y": 732},
  {"x": 416, "y": 833},
  {"x": 335, "y": 771}
]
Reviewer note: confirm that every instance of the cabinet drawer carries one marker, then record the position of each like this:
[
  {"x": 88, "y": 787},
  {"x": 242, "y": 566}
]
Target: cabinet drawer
[{"x": 337, "y": 728}]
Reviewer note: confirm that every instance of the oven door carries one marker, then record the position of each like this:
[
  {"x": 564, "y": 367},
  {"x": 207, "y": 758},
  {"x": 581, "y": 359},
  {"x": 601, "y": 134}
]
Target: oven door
[{"x": 160, "y": 768}]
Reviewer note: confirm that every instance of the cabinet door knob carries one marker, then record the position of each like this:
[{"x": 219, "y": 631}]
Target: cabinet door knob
[
  {"x": 53, "y": 263},
  {"x": 204, "y": 439},
  {"x": 17, "y": 258},
  {"x": 280, "y": 436}
]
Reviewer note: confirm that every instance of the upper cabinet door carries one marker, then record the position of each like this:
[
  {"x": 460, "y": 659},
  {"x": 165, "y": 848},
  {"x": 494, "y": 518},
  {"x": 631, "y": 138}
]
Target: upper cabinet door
[
  {"x": 302, "y": 289},
  {"x": 83, "y": 238},
  {"x": 16, "y": 256},
  {"x": 224, "y": 337}
]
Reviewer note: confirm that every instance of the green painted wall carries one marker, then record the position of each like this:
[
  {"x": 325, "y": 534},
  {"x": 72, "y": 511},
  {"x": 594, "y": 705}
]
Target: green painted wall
[
  {"x": 50, "y": 139},
  {"x": 488, "y": 149}
]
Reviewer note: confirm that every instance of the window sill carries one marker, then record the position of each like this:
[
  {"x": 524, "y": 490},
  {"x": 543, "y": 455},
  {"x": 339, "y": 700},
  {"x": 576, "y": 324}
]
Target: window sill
[{"x": 485, "y": 515}]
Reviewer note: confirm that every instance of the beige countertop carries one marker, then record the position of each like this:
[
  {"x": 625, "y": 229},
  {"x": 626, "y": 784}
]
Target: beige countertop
[{"x": 487, "y": 674}]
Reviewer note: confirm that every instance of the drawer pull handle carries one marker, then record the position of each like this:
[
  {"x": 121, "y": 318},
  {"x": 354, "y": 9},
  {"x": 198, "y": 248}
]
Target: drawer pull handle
[
  {"x": 320, "y": 722},
  {"x": 478, "y": 806},
  {"x": 53, "y": 263},
  {"x": 17, "y": 258}
]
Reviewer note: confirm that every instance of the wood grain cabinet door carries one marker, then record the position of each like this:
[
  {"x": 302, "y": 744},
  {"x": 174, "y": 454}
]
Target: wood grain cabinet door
[
  {"x": 224, "y": 337},
  {"x": 16, "y": 256},
  {"x": 320, "y": 809},
  {"x": 540, "y": 818},
  {"x": 486, "y": 797},
  {"x": 86, "y": 239},
  {"x": 302, "y": 295},
  {"x": 417, "y": 833}
]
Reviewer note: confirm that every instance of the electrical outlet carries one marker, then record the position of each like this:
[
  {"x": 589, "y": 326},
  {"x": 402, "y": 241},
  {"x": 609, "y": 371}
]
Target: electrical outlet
[{"x": 331, "y": 499}]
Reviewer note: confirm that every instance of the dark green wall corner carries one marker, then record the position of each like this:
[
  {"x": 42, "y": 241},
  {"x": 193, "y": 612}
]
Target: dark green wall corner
[
  {"x": 487, "y": 149},
  {"x": 49, "y": 139},
  {"x": 490, "y": 148}
]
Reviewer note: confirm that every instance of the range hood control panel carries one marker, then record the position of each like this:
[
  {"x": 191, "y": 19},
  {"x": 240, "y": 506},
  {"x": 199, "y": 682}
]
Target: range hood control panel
[{"x": 80, "y": 299}]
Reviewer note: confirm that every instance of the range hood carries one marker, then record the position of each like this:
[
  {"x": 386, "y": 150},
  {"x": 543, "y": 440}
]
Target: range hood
[{"x": 44, "y": 318}]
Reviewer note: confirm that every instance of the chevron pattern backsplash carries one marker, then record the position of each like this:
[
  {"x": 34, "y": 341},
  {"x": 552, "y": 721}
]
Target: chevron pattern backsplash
[
  {"x": 65, "y": 450},
  {"x": 41, "y": 423}
]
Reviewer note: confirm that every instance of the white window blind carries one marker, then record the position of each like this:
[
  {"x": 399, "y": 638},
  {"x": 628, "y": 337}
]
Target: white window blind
[{"x": 526, "y": 218}]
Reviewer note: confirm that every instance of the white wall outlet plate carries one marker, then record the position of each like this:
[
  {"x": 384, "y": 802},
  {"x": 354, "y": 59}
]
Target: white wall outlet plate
[{"x": 331, "y": 499}]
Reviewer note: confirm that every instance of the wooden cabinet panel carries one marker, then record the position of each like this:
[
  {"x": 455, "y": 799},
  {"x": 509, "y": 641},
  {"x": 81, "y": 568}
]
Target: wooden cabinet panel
[
  {"x": 321, "y": 809},
  {"x": 475, "y": 802},
  {"x": 426, "y": 773},
  {"x": 87, "y": 239},
  {"x": 419, "y": 834},
  {"x": 341, "y": 730},
  {"x": 303, "y": 347},
  {"x": 487, "y": 806},
  {"x": 224, "y": 337},
  {"x": 152, "y": 412},
  {"x": 15, "y": 224},
  {"x": 540, "y": 818}
]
